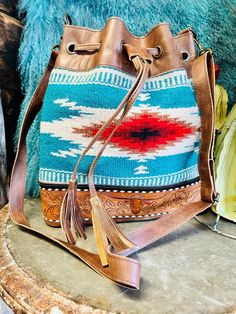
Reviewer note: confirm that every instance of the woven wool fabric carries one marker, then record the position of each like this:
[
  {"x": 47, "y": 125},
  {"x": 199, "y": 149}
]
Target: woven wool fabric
[
  {"x": 156, "y": 145},
  {"x": 213, "y": 21}
]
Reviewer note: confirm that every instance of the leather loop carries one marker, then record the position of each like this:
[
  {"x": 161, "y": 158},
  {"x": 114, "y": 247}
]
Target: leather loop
[
  {"x": 87, "y": 47},
  {"x": 144, "y": 53}
]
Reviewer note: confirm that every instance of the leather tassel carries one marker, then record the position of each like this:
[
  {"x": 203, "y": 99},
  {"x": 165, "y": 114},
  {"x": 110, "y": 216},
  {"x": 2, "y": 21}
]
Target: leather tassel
[
  {"x": 101, "y": 240},
  {"x": 104, "y": 225},
  {"x": 65, "y": 218},
  {"x": 76, "y": 215},
  {"x": 70, "y": 216}
]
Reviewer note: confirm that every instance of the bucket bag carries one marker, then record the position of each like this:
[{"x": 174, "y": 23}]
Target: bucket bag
[{"x": 126, "y": 134}]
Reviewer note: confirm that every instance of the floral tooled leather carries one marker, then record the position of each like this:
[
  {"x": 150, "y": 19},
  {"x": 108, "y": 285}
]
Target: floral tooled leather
[{"x": 122, "y": 206}]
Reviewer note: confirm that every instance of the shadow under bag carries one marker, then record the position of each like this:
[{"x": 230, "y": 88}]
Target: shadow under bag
[{"x": 126, "y": 134}]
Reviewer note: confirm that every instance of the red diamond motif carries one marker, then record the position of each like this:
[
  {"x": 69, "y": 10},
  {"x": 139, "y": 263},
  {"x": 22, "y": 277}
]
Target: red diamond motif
[{"x": 143, "y": 132}]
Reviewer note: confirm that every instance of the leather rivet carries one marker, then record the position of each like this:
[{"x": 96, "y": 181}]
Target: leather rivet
[{"x": 136, "y": 203}]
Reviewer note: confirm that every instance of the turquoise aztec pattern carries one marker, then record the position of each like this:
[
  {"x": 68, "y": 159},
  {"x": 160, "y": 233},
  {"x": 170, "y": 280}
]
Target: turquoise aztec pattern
[{"x": 156, "y": 145}]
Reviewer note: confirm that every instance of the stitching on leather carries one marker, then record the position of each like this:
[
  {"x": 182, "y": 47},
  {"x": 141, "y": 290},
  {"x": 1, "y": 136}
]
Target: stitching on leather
[
  {"x": 119, "y": 217},
  {"x": 144, "y": 228},
  {"x": 183, "y": 35},
  {"x": 115, "y": 18},
  {"x": 120, "y": 69},
  {"x": 94, "y": 266},
  {"x": 205, "y": 114},
  {"x": 28, "y": 111},
  {"x": 90, "y": 262},
  {"x": 128, "y": 191},
  {"x": 128, "y": 259},
  {"x": 157, "y": 235}
]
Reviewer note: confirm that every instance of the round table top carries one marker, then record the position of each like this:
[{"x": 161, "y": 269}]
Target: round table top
[{"x": 192, "y": 270}]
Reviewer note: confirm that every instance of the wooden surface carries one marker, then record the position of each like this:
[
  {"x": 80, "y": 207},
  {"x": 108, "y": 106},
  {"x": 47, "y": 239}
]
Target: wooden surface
[{"x": 192, "y": 270}]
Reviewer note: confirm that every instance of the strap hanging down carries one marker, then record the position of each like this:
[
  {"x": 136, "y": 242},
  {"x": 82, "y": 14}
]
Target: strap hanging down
[{"x": 121, "y": 269}]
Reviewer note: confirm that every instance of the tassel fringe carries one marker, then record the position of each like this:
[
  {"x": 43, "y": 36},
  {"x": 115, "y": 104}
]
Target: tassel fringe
[
  {"x": 105, "y": 228},
  {"x": 70, "y": 216},
  {"x": 101, "y": 240}
]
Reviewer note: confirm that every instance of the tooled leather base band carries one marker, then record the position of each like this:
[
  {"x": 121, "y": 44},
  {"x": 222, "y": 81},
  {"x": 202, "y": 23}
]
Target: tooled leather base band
[{"x": 122, "y": 206}]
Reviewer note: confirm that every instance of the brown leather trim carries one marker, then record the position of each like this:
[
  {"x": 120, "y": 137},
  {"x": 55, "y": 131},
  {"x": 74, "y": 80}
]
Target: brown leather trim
[
  {"x": 122, "y": 206},
  {"x": 203, "y": 80},
  {"x": 18, "y": 177},
  {"x": 112, "y": 54}
]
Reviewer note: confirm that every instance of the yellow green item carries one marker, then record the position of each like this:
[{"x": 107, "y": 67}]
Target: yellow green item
[
  {"x": 225, "y": 165},
  {"x": 221, "y": 100}
]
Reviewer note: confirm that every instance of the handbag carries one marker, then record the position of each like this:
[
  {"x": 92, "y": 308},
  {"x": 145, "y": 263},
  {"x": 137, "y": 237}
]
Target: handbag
[{"x": 126, "y": 134}]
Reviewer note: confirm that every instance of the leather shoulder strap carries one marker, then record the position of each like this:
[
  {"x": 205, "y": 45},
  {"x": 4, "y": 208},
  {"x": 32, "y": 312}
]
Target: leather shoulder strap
[
  {"x": 18, "y": 176},
  {"x": 204, "y": 82},
  {"x": 121, "y": 269}
]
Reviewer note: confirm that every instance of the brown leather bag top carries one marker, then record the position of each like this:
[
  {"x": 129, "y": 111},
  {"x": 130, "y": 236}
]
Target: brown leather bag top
[
  {"x": 83, "y": 199},
  {"x": 112, "y": 53}
]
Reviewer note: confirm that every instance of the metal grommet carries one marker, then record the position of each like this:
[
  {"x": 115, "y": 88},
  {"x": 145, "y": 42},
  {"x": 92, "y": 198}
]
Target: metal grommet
[
  {"x": 70, "y": 48},
  {"x": 159, "y": 52},
  {"x": 184, "y": 55}
]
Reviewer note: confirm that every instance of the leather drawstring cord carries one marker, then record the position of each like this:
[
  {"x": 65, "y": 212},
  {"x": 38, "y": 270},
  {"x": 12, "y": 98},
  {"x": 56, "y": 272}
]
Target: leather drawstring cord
[
  {"x": 104, "y": 226},
  {"x": 87, "y": 47}
]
